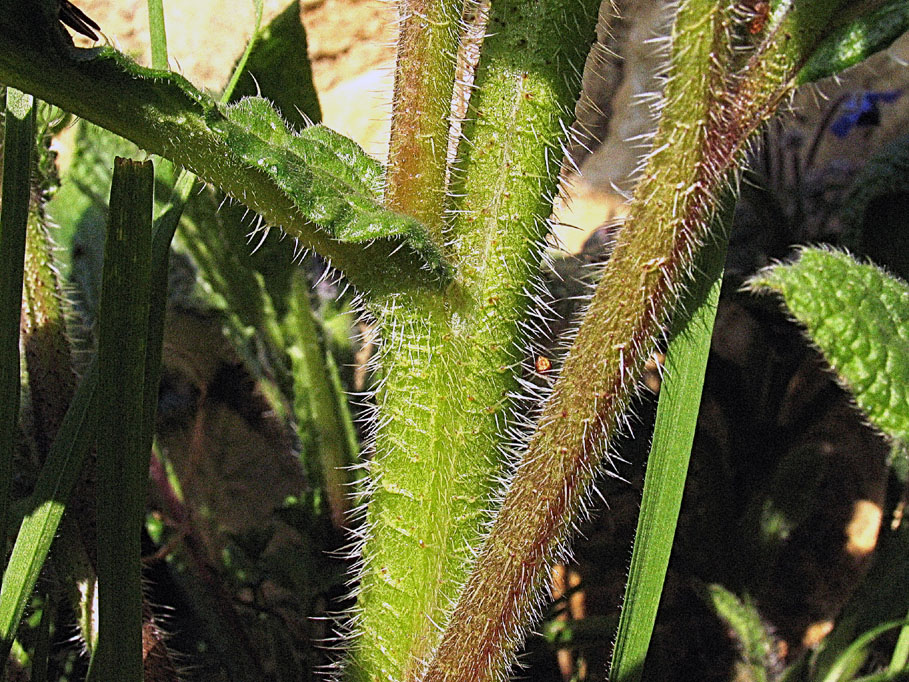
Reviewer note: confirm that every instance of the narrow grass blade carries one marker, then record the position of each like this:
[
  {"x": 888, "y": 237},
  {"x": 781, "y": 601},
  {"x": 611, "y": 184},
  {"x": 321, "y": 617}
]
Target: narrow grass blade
[
  {"x": 241, "y": 65},
  {"x": 899, "y": 660},
  {"x": 122, "y": 462},
  {"x": 855, "y": 654},
  {"x": 64, "y": 461},
  {"x": 667, "y": 467},
  {"x": 39, "y": 526},
  {"x": 879, "y": 598},
  {"x": 163, "y": 233},
  {"x": 320, "y": 403},
  {"x": 158, "y": 34},
  {"x": 17, "y": 161}
]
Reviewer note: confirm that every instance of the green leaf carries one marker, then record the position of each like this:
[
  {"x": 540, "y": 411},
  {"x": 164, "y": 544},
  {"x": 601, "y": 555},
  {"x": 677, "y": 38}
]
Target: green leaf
[
  {"x": 235, "y": 149},
  {"x": 743, "y": 619},
  {"x": 43, "y": 644},
  {"x": 122, "y": 447},
  {"x": 329, "y": 186},
  {"x": 858, "y": 316},
  {"x": 861, "y": 32},
  {"x": 217, "y": 234},
  {"x": 278, "y": 68}
]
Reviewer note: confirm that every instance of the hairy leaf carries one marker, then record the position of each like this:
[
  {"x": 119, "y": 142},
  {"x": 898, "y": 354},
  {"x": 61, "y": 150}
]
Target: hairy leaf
[
  {"x": 744, "y": 621},
  {"x": 278, "y": 68},
  {"x": 235, "y": 149},
  {"x": 858, "y": 316},
  {"x": 858, "y": 36}
]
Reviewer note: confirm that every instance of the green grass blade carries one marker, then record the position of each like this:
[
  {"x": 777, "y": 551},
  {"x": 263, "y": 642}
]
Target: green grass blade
[
  {"x": 320, "y": 403},
  {"x": 855, "y": 654},
  {"x": 163, "y": 233},
  {"x": 667, "y": 467},
  {"x": 41, "y": 653},
  {"x": 880, "y": 598},
  {"x": 122, "y": 462},
  {"x": 899, "y": 660},
  {"x": 241, "y": 65},
  {"x": 158, "y": 34},
  {"x": 39, "y": 526},
  {"x": 17, "y": 160},
  {"x": 61, "y": 470},
  {"x": 19, "y": 656}
]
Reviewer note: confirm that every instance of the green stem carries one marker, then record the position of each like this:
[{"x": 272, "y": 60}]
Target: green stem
[
  {"x": 158, "y": 33},
  {"x": 421, "y": 108},
  {"x": 707, "y": 118},
  {"x": 451, "y": 363},
  {"x": 18, "y": 149},
  {"x": 241, "y": 64}
]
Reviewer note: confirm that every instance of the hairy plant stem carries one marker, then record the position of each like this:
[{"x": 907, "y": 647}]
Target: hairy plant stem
[
  {"x": 708, "y": 115},
  {"x": 52, "y": 381},
  {"x": 421, "y": 108},
  {"x": 52, "y": 385},
  {"x": 452, "y": 361}
]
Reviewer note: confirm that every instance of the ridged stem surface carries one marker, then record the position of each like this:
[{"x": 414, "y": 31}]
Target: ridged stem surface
[
  {"x": 424, "y": 83},
  {"x": 708, "y": 114},
  {"x": 452, "y": 361}
]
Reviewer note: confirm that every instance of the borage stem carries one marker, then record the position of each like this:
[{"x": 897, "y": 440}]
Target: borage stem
[
  {"x": 421, "y": 108},
  {"x": 709, "y": 114},
  {"x": 452, "y": 361}
]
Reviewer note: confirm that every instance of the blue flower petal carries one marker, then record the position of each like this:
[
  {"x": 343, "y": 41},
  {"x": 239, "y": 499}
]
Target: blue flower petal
[{"x": 862, "y": 110}]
